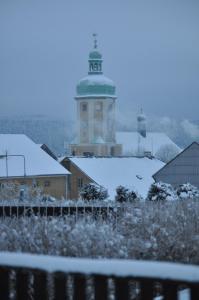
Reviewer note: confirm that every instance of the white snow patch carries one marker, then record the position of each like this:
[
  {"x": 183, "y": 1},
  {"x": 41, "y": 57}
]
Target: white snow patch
[
  {"x": 132, "y": 172},
  {"x": 37, "y": 161},
  {"x": 122, "y": 267},
  {"x": 94, "y": 79}
]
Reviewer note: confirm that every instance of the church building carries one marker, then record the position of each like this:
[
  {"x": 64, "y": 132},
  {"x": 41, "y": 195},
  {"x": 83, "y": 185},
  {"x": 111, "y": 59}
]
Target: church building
[{"x": 95, "y": 99}]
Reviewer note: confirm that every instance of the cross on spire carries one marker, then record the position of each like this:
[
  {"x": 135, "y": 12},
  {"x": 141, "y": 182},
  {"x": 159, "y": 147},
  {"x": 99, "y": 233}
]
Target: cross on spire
[{"x": 95, "y": 40}]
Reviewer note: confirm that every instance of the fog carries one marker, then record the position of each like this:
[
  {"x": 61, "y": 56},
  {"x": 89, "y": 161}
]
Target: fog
[{"x": 150, "y": 50}]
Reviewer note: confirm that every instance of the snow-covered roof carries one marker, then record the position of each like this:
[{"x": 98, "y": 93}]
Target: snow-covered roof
[
  {"x": 37, "y": 161},
  {"x": 96, "y": 79},
  {"x": 132, "y": 141},
  {"x": 133, "y": 172}
]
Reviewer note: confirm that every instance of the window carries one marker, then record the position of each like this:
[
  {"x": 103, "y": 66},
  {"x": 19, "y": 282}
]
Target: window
[
  {"x": 79, "y": 183},
  {"x": 95, "y": 67},
  {"x": 98, "y": 106},
  {"x": 35, "y": 183},
  {"x": 84, "y": 106},
  {"x": 110, "y": 107},
  {"x": 88, "y": 154},
  {"x": 47, "y": 183}
]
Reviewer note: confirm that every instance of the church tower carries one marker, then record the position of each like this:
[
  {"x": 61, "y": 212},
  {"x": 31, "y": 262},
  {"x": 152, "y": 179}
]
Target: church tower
[{"x": 95, "y": 98}]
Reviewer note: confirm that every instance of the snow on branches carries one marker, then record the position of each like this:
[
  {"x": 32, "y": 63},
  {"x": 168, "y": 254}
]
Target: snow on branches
[
  {"x": 92, "y": 191},
  {"x": 123, "y": 194},
  {"x": 160, "y": 192}
]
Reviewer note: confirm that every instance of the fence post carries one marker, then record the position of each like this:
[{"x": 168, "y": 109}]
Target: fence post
[
  {"x": 101, "y": 287},
  {"x": 122, "y": 289},
  {"x": 22, "y": 282},
  {"x": 170, "y": 291},
  {"x": 79, "y": 287},
  {"x": 4, "y": 283},
  {"x": 40, "y": 285},
  {"x": 60, "y": 280},
  {"x": 195, "y": 292},
  {"x": 146, "y": 289}
]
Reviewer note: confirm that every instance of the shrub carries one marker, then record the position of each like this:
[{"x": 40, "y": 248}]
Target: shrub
[
  {"x": 187, "y": 191},
  {"x": 160, "y": 191},
  {"x": 92, "y": 191},
  {"x": 9, "y": 190},
  {"x": 123, "y": 194},
  {"x": 167, "y": 230}
]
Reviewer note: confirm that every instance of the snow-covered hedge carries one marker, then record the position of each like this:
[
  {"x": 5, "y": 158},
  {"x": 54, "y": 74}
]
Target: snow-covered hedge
[
  {"x": 92, "y": 191},
  {"x": 160, "y": 191},
  {"x": 163, "y": 230}
]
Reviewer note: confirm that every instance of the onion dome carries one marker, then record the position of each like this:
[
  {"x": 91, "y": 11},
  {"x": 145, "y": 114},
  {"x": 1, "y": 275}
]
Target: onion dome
[
  {"x": 141, "y": 117},
  {"x": 95, "y": 84},
  {"x": 95, "y": 55}
]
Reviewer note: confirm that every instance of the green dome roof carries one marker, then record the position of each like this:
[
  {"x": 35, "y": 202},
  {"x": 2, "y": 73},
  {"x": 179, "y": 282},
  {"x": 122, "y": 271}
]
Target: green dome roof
[
  {"x": 95, "y": 55},
  {"x": 95, "y": 85}
]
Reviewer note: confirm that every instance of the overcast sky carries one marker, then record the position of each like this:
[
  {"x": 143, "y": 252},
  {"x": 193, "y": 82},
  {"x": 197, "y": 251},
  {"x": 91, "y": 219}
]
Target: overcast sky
[{"x": 150, "y": 50}]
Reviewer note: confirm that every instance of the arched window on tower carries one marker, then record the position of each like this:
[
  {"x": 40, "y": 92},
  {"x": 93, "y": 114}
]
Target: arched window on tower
[{"x": 84, "y": 106}]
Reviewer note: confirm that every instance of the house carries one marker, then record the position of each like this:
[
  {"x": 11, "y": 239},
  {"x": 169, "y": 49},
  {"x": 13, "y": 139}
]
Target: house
[
  {"x": 24, "y": 163},
  {"x": 110, "y": 172},
  {"x": 184, "y": 168}
]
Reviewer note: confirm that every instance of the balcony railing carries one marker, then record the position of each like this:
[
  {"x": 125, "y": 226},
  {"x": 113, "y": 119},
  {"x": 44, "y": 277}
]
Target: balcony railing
[{"x": 26, "y": 276}]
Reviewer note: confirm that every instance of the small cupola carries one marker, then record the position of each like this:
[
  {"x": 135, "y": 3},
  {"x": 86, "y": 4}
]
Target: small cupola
[{"x": 95, "y": 59}]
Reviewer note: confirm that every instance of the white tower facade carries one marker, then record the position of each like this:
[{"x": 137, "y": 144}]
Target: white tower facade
[{"x": 95, "y": 98}]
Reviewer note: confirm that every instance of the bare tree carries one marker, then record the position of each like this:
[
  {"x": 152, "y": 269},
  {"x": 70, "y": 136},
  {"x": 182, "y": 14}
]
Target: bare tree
[{"x": 167, "y": 152}]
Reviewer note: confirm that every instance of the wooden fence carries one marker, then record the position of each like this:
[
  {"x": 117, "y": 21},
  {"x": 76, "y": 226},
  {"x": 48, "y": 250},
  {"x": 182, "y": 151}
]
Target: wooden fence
[{"x": 39, "y": 277}]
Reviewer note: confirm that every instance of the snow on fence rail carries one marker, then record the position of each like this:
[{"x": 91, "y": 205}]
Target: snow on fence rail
[{"x": 81, "y": 279}]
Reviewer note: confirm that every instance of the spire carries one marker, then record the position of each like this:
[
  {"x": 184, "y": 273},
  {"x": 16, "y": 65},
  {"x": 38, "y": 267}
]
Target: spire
[
  {"x": 95, "y": 58},
  {"x": 95, "y": 40},
  {"x": 141, "y": 123}
]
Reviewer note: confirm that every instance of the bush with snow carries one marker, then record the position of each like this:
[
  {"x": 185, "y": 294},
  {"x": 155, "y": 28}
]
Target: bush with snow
[
  {"x": 160, "y": 191},
  {"x": 167, "y": 152},
  {"x": 92, "y": 191},
  {"x": 187, "y": 191},
  {"x": 123, "y": 194},
  {"x": 9, "y": 190},
  {"x": 167, "y": 230}
]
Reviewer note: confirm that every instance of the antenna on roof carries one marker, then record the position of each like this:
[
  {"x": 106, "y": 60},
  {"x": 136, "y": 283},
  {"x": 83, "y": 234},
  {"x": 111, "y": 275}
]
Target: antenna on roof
[{"x": 95, "y": 40}]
